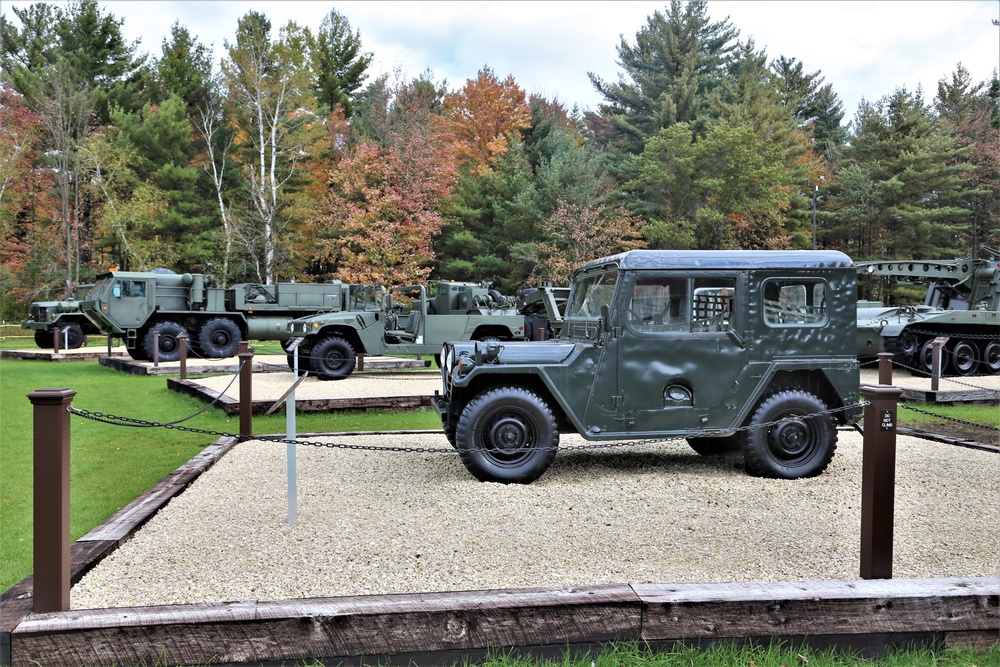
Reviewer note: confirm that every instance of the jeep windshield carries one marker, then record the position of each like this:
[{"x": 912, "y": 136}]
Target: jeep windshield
[{"x": 588, "y": 294}]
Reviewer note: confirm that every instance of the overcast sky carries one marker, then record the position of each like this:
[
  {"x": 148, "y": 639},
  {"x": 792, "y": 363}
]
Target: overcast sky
[{"x": 864, "y": 49}]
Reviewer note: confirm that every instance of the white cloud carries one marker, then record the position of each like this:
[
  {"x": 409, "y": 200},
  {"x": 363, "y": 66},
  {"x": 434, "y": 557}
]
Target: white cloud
[{"x": 864, "y": 49}]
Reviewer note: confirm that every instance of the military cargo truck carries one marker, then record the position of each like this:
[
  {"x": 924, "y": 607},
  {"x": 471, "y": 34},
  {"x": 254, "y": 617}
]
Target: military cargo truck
[
  {"x": 409, "y": 320},
  {"x": 746, "y": 350},
  {"x": 49, "y": 318},
  {"x": 962, "y": 304},
  {"x": 141, "y": 308}
]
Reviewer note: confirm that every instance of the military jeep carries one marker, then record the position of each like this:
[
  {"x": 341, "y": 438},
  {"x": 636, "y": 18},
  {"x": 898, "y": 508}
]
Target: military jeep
[{"x": 733, "y": 350}]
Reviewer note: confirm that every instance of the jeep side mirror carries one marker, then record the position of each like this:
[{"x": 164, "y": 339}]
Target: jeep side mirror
[{"x": 606, "y": 317}]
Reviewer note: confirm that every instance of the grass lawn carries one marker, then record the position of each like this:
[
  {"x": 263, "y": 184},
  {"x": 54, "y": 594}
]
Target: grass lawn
[{"x": 109, "y": 465}]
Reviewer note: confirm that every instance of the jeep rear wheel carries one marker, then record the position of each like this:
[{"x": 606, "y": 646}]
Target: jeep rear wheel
[
  {"x": 332, "y": 358},
  {"x": 507, "y": 435},
  {"x": 788, "y": 439}
]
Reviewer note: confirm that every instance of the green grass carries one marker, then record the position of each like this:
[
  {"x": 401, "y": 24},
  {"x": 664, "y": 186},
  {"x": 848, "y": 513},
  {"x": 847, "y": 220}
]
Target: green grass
[{"x": 110, "y": 466}]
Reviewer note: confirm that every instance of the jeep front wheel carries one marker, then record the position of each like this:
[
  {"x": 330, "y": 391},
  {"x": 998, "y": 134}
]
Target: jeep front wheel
[
  {"x": 507, "y": 435},
  {"x": 787, "y": 438},
  {"x": 332, "y": 358}
]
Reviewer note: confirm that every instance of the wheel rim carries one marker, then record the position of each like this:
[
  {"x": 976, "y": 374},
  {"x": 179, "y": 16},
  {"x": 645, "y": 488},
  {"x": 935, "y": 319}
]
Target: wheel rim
[
  {"x": 991, "y": 357},
  {"x": 792, "y": 440},
  {"x": 220, "y": 338},
  {"x": 964, "y": 358},
  {"x": 508, "y": 439},
  {"x": 908, "y": 344},
  {"x": 927, "y": 357},
  {"x": 334, "y": 360},
  {"x": 167, "y": 343}
]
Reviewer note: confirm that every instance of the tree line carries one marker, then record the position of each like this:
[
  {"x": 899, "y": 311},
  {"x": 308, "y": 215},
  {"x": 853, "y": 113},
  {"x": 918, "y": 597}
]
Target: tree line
[{"x": 289, "y": 159}]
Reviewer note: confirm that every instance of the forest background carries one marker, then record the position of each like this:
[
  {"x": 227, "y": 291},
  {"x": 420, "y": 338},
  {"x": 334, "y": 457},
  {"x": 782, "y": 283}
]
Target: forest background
[{"x": 288, "y": 160}]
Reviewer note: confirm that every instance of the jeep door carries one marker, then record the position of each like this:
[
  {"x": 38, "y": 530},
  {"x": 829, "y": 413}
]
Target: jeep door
[{"x": 681, "y": 351}]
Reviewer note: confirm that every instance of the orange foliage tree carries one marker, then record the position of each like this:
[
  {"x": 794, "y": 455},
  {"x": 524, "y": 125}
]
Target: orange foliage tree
[{"x": 483, "y": 117}]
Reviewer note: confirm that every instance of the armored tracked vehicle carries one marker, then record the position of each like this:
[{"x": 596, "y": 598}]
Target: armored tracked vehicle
[
  {"x": 407, "y": 320},
  {"x": 748, "y": 350},
  {"x": 142, "y": 308},
  {"x": 962, "y": 304}
]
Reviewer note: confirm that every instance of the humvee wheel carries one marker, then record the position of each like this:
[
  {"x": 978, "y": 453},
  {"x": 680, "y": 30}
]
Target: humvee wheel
[
  {"x": 44, "y": 339},
  {"x": 219, "y": 338},
  {"x": 730, "y": 444},
  {"x": 332, "y": 358},
  {"x": 800, "y": 444},
  {"x": 991, "y": 357},
  {"x": 965, "y": 358},
  {"x": 507, "y": 435},
  {"x": 170, "y": 347}
]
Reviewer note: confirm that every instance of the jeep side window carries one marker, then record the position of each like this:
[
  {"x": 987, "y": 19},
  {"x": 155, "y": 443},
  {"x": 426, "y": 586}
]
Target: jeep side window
[
  {"x": 664, "y": 303},
  {"x": 795, "y": 302}
]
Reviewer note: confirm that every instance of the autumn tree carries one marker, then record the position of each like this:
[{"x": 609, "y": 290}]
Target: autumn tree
[{"x": 271, "y": 105}]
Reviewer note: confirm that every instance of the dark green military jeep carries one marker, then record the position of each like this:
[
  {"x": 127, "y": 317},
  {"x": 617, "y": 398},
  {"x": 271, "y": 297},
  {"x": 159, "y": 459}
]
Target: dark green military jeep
[{"x": 732, "y": 350}]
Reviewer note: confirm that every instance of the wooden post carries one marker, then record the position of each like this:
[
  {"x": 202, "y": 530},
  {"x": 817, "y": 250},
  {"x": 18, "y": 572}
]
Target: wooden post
[
  {"x": 51, "y": 499},
  {"x": 361, "y": 362},
  {"x": 885, "y": 368},
  {"x": 182, "y": 340},
  {"x": 55, "y": 340},
  {"x": 156, "y": 349},
  {"x": 246, "y": 390},
  {"x": 878, "y": 480},
  {"x": 109, "y": 345}
]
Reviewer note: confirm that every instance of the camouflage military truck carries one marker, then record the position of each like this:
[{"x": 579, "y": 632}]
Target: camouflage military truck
[
  {"x": 751, "y": 350},
  {"x": 408, "y": 320},
  {"x": 141, "y": 308},
  {"x": 49, "y": 318}
]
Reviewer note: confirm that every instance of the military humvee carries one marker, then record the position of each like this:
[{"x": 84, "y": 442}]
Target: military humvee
[{"x": 749, "y": 350}]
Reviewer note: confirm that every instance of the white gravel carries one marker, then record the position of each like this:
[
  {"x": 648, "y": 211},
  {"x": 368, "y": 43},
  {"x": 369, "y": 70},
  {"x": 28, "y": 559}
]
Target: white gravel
[{"x": 375, "y": 523}]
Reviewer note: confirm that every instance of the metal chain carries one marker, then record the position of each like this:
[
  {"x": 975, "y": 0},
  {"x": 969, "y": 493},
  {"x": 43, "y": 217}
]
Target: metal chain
[
  {"x": 116, "y": 420},
  {"x": 985, "y": 427},
  {"x": 949, "y": 378}
]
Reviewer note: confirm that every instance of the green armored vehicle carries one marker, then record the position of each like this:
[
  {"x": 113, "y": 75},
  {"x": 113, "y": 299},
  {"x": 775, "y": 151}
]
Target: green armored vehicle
[
  {"x": 962, "y": 304},
  {"x": 63, "y": 318},
  {"x": 408, "y": 320},
  {"x": 752, "y": 350},
  {"x": 142, "y": 308}
]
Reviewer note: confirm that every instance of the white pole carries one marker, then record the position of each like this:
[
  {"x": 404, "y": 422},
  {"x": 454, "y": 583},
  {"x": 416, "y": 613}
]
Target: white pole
[{"x": 290, "y": 448}]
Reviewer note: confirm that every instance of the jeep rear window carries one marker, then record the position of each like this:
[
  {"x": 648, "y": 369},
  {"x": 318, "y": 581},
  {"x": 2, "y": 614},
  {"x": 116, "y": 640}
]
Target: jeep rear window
[{"x": 795, "y": 302}]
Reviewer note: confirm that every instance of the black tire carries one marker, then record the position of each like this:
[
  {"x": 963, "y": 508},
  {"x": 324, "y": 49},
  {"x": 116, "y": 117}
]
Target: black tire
[
  {"x": 303, "y": 362},
  {"x": 799, "y": 445},
  {"x": 75, "y": 336},
  {"x": 138, "y": 354},
  {"x": 332, "y": 358},
  {"x": 965, "y": 358},
  {"x": 170, "y": 347},
  {"x": 507, "y": 435},
  {"x": 724, "y": 446},
  {"x": 991, "y": 357},
  {"x": 45, "y": 339},
  {"x": 219, "y": 338},
  {"x": 925, "y": 360}
]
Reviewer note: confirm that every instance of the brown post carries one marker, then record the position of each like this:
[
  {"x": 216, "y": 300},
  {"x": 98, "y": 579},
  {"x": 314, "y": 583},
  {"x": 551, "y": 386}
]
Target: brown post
[
  {"x": 109, "y": 345},
  {"x": 246, "y": 390},
  {"x": 51, "y": 498},
  {"x": 156, "y": 349},
  {"x": 885, "y": 368},
  {"x": 182, "y": 340},
  {"x": 55, "y": 341},
  {"x": 878, "y": 480},
  {"x": 361, "y": 362}
]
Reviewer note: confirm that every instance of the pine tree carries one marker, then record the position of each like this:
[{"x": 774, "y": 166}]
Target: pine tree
[{"x": 338, "y": 63}]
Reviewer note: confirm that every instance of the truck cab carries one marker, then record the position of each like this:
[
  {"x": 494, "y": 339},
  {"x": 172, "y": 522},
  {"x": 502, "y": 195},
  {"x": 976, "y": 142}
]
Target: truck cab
[{"x": 702, "y": 345}]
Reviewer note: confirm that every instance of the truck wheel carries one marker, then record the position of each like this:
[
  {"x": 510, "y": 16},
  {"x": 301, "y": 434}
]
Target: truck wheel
[
  {"x": 332, "y": 358},
  {"x": 730, "y": 444},
  {"x": 45, "y": 339},
  {"x": 800, "y": 444},
  {"x": 170, "y": 347},
  {"x": 925, "y": 360},
  {"x": 75, "y": 336},
  {"x": 965, "y": 358},
  {"x": 303, "y": 362},
  {"x": 219, "y": 338},
  {"x": 507, "y": 435}
]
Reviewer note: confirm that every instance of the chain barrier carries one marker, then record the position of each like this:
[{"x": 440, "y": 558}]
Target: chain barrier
[
  {"x": 117, "y": 420},
  {"x": 924, "y": 373},
  {"x": 985, "y": 427}
]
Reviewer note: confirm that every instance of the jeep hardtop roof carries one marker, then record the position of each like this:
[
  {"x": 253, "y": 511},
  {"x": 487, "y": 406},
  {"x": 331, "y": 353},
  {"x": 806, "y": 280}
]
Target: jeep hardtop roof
[{"x": 722, "y": 259}]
